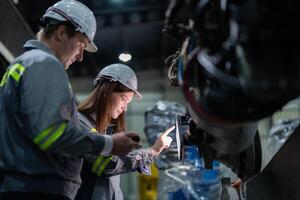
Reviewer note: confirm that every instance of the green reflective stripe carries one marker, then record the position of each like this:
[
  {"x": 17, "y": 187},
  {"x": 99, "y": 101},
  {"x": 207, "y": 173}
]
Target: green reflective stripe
[
  {"x": 54, "y": 137},
  {"x": 16, "y": 71},
  {"x": 18, "y": 67},
  {"x": 4, "y": 79},
  {"x": 106, "y": 161},
  {"x": 43, "y": 142},
  {"x": 97, "y": 163},
  {"x": 37, "y": 140},
  {"x": 15, "y": 75}
]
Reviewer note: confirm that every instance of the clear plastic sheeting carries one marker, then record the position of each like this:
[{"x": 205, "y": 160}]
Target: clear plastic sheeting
[
  {"x": 190, "y": 181},
  {"x": 180, "y": 180},
  {"x": 161, "y": 116},
  {"x": 158, "y": 118}
]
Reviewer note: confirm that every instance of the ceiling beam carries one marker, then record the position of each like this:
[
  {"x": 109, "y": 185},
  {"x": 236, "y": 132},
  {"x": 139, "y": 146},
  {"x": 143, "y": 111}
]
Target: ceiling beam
[{"x": 14, "y": 29}]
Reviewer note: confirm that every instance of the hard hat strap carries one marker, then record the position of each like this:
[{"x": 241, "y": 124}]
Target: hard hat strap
[
  {"x": 102, "y": 78},
  {"x": 110, "y": 78},
  {"x": 67, "y": 17}
]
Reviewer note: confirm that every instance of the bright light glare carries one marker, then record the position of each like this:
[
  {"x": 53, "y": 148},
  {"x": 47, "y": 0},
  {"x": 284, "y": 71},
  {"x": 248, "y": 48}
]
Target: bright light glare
[
  {"x": 116, "y": 1},
  {"x": 125, "y": 57}
]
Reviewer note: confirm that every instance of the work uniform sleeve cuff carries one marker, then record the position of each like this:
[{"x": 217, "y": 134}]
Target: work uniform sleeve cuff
[{"x": 108, "y": 145}]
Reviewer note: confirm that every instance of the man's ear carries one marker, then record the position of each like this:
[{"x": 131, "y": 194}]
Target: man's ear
[{"x": 60, "y": 32}]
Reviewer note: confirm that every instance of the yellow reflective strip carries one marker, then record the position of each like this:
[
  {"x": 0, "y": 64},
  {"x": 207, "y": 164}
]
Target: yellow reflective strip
[
  {"x": 42, "y": 135},
  {"x": 93, "y": 130},
  {"x": 105, "y": 163},
  {"x": 96, "y": 163},
  {"x": 54, "y": 136},
  {"x": 20, "y": 67},
  {"x": 4, "y": 79},
  {"x": 16, "y": 74},
  {"x": 15, "y": 71}
]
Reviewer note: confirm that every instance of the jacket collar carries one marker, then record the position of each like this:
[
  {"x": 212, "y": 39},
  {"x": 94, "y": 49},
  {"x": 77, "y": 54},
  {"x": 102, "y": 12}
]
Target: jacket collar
[{"x": 35, "y": 44}]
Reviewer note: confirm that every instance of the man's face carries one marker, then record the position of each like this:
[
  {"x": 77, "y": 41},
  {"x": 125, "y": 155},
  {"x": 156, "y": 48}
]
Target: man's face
[{"x": 73, "y": 49}]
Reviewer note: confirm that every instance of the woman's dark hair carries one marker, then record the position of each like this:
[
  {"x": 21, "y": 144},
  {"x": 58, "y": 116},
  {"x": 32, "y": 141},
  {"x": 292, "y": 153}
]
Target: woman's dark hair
[{"x": 100, "y": 103}]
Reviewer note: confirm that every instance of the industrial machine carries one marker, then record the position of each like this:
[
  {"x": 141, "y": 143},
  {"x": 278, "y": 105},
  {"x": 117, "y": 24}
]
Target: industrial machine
[{"x": 238, "y": 62}]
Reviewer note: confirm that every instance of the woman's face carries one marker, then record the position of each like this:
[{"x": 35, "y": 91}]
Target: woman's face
[{"x": 120, "y": 101}]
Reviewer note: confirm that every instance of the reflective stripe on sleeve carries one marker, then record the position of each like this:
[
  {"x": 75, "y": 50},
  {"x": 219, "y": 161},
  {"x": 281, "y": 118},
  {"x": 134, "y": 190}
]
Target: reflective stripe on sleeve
[
  {"x": 97, "y": 163},
  {"x": 15, "y": 71},
  {"x": 47, "y": 137},
  {"x": 100, "y": 164},
  {"x": 4, "y": 79}
]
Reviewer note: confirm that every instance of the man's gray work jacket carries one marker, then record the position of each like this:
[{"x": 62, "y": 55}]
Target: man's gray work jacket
[{"x": 41, "y": 144}]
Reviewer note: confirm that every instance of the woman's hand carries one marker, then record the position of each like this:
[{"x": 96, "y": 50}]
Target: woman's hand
[{"x": 162, "y": 142}]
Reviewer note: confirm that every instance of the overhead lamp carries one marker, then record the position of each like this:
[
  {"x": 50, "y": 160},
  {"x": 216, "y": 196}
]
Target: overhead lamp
[
  {"x": 117, "y": 1},
  {"x": 125, "y": 57}
]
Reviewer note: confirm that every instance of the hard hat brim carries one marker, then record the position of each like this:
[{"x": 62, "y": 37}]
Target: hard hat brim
[
  {"x": 91, "y": 47},
  {"x": 137, "y": 95}
]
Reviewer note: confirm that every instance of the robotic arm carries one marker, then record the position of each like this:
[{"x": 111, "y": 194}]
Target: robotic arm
[{"x": 238, "y": 63}]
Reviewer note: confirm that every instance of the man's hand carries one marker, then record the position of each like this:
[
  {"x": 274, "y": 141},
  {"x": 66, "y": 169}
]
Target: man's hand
[
  {"x": 123, "y": 143},
  {"x": 163, "y": 141}
]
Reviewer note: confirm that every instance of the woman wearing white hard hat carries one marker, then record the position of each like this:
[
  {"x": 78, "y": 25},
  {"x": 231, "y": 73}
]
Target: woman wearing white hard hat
[{"x": 103, "y": 111}]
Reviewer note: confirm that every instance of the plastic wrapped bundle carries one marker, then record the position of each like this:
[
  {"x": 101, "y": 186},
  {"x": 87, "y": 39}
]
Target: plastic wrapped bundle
[
  {"x": 190, "y": 181},
  {"x": 180, "y": 180},
  {"x": 160, "y": 116}
]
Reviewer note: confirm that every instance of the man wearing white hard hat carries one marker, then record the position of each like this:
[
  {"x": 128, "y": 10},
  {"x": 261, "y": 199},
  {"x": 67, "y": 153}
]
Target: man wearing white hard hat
[{"x": 41, "y": 142}]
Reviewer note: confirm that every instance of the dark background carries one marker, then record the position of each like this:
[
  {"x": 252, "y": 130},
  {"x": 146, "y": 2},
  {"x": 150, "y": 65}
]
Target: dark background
[{"x": 133, "y": 26}]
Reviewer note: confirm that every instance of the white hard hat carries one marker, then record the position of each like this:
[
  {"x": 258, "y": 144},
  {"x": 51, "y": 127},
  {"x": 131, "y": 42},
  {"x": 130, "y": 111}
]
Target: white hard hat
[
  {"x": 121, "y": 73},
  {"x": 79, "y": 15}
]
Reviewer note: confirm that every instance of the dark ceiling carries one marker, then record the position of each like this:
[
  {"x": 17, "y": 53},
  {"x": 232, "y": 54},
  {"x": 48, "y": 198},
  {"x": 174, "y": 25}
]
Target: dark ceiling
[{"x": 134, "y": 26}]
